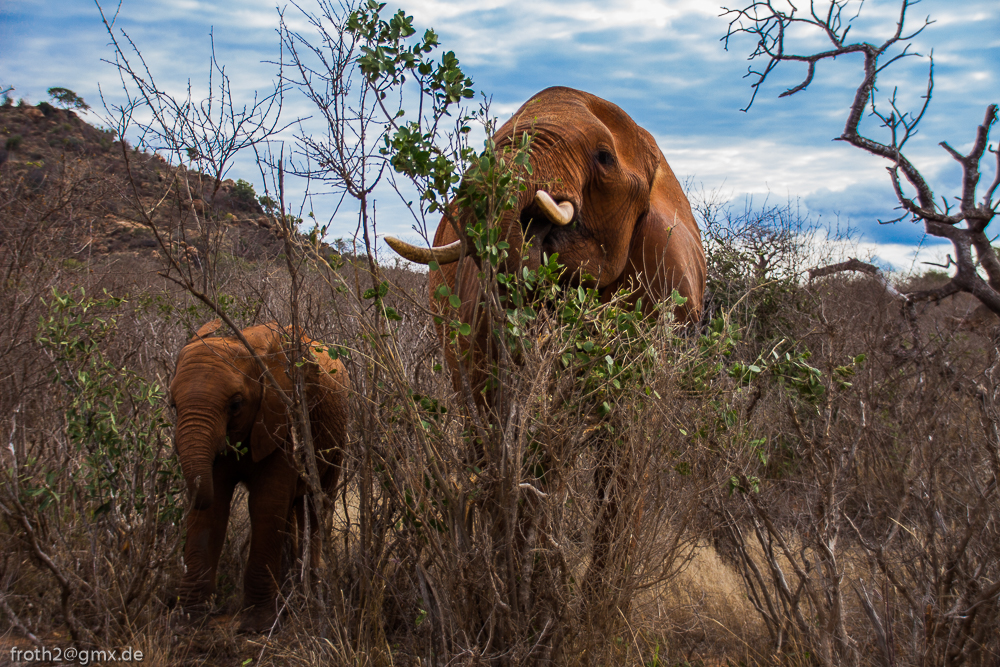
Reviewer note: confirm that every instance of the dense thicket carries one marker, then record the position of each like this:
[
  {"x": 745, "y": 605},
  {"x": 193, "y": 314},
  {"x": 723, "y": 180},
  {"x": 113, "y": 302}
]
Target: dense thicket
[{"x": 808, "y": 477}]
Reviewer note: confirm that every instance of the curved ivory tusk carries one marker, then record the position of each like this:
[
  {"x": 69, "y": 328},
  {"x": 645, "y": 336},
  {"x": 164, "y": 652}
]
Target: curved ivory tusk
[
  {"x": 442, "y": 254},
  {"x": 559, "y": 214}
]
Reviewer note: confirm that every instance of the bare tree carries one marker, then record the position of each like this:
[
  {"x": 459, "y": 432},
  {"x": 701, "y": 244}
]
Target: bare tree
[{"x": 770, "y": 23}]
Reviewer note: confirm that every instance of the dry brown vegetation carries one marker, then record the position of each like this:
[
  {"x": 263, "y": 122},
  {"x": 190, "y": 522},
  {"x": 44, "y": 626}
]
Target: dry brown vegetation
[{"x": 810, "y": 478}]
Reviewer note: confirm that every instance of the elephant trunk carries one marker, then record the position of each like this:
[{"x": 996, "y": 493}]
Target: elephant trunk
[
  {"x": 198, "y": 475},
  {"x": 197, "y": 446}
]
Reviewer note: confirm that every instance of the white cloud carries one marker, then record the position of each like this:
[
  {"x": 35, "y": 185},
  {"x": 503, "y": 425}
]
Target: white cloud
[{"x": 760, "y": 165}]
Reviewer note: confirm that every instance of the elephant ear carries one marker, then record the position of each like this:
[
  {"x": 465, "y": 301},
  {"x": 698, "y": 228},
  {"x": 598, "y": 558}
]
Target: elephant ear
[
  {"x": 206, "y": 330},
  {"x": 666, "y": 252},
  {"x": 270, "y": 429}
]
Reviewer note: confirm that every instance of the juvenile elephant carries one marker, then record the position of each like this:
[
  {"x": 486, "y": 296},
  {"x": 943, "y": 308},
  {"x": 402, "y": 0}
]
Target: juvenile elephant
[{"x": 233, "y": 427}]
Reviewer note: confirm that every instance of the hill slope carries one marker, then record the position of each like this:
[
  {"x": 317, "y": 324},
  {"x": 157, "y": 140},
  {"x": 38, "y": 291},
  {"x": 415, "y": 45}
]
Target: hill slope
[{"x": 70, "y": 191}]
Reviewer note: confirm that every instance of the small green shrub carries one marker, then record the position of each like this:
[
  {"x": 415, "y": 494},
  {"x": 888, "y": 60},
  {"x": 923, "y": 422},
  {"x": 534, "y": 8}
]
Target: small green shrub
[
  {"x": 114, "y": 417},
  {"x": 244, "y": 192}
]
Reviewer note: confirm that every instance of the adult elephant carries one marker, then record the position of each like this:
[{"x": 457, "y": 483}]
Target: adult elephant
[
  {"x": 601, "y": 195},
  {"x": 232, "y": 427}
]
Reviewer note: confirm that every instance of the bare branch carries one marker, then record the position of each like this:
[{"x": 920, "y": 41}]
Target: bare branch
[
  {"x": 804, "y": 84},
  {"x": 855, "y": 264},
  {"x": 971, "y": 174},
  {"x": 935, "y": 294},
  {"x": 768, "y": 25},
  {"x": 988, "y": 198}
]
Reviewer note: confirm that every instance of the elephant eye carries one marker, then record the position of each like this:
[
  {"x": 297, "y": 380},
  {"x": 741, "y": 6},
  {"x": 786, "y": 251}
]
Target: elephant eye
[
  {"x": 605, "y": 158},
  {"x": 235, "y": 403}
]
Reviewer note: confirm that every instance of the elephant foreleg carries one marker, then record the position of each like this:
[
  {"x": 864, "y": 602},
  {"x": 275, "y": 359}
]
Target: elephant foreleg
[
  {"x": 270, "y": 504},
  {"x": 206, "y": 533}
]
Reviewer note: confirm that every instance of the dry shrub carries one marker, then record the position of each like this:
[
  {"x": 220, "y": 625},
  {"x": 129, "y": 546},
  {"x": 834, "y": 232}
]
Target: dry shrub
[
  {"x": 477, "y": 541},
  {"x": 862, "y": 478}
]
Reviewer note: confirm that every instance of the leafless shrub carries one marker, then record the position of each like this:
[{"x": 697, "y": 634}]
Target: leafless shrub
[{"x": 837, "y": 468}]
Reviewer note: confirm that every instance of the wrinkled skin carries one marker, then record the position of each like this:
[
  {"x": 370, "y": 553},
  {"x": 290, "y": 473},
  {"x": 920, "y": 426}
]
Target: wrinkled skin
[
  {"x": 632, "y": 226},
  {"x": 220, "y": 395}
]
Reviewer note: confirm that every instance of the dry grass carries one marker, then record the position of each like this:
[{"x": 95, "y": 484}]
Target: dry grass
[{"x": 702, "y": 614}]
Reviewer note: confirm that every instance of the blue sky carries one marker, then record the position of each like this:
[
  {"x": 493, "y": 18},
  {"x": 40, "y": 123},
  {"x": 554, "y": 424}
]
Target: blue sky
[{"x": 660, "y": 60}]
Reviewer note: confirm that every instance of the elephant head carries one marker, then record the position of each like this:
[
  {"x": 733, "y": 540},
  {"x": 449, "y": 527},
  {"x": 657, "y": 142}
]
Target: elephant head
[
  {"x": 218, "y": 394},
  {"x": 600, "y": 194}
]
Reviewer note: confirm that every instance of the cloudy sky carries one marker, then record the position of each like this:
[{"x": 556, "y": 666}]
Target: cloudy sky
[{"x": 660, "y": 60}]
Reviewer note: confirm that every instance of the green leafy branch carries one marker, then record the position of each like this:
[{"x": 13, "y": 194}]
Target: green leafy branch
[
  {"x": 388, "y": 57},
  {"x": 114, "y": 416}
]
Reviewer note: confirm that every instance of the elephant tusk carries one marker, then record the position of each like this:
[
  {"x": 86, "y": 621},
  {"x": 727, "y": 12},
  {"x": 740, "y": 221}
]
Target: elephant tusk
[
  {"x": 559, "y": 214},
  {"x": 442, "y": 254}
]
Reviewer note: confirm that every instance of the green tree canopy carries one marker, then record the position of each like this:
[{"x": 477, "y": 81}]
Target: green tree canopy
[{"x": 67, "y": 99}]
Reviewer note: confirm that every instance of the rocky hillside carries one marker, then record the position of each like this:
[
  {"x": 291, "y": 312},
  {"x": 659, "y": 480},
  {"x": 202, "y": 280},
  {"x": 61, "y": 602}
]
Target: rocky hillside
[{"x": 69, "y": 190}]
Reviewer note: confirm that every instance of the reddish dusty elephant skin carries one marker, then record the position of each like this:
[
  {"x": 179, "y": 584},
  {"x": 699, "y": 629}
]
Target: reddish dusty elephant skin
[
  {"x": 232, "y": 428},
  {"x": 630, "y": 224},
  {"x": 603, "y": 197}
]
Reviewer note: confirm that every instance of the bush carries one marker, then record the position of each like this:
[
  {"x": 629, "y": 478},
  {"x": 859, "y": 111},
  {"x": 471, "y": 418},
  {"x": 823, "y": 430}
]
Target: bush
[
  {"x": 104, "y": 482},
  {"x": 114, "y": 417},
  {"x": 244, "y": 192}
]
